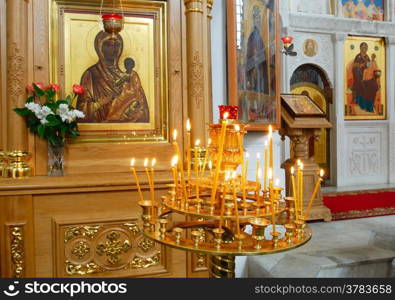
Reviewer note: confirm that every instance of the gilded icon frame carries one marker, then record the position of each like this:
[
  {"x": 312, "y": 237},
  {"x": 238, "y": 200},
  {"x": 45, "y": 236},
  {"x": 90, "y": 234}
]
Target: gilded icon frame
[
  {"x": 155, "y": 80},
  {"x": 274, "y": 71},
  {"x": 376, "y": 46}
]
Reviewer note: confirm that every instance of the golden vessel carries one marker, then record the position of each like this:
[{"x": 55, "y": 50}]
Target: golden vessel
[{"x": 18, "y": 165}]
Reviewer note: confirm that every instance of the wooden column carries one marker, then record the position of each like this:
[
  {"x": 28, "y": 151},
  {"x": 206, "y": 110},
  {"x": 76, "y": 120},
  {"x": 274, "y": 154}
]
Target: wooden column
[
  {"x": 208, "y": 63},
  {"x": 17, "y": 71},
  {"x": 198, "y": 62}
]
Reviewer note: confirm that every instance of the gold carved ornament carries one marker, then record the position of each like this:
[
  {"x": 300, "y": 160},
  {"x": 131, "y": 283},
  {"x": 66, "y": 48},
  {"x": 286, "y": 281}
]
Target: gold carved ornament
[
  {"x": 85, "y": 231},
  {"x": 17, "y": 251},
  {"x": 146, "y": 245},
  {"x": 113, "y": 248},
  {"x": 80, "y": 250}
]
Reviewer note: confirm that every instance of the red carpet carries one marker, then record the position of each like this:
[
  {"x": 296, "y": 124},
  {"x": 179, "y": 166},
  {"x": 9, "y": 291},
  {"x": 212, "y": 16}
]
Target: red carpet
[{"x": 368, "y": 204}]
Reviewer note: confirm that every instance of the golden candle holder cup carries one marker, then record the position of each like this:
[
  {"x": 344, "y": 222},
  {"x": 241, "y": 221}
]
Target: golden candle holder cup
[
  {"x": 229, "y": 205},
  {"x": 218, "y": 232},
  {"x": 239, "y": 239},
  {"x": 163, "y": 228},
  {"x": 177, "y": 233},
  {"x": 17, "y": 165},
  {"x": 290, "y": 227},
  {"x": 147, "y": 216},
  {"x": 3, "y": 163},
  {"x": 300, "y": 226},
  {"x": 258, "y": 230},
  {"x": 196, "y": 237},
  {"x": 275, "y": 238},
  {"x": 277, "y": 192},
  {"x": 290, "y": 209}
]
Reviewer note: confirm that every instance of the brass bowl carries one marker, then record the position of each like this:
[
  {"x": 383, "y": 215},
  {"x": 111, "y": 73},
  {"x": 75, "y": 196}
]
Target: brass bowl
[
  {"x": 113, "y": 23},
  {"x": 18, "y": 165}
]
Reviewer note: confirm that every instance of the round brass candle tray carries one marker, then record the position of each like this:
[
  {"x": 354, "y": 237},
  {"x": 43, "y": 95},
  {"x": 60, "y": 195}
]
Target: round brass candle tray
[{"x": 226, "y": 215}]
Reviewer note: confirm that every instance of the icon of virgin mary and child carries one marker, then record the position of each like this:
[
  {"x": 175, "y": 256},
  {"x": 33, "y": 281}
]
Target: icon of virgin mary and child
[
  {"x": 111, "y": 95},
  {"x": 363, "y": 79}
]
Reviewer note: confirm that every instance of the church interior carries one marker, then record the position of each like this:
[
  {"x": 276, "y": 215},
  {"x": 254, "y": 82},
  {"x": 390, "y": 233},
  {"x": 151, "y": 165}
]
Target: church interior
[{"x": 197, "y": 138}]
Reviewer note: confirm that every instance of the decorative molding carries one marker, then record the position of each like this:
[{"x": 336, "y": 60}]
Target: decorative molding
[
  {"x": 17, "y": 250},
  {"x": 146, "y": 244},
  {"x": 80, "y": 250},
  {"x": 113, "y": 247},
  {"x": 140, "y": 262},
  {"x": 80, "y": 231},
  {"x": 197, "y": 79},
  {"x": 15, "y": 74}
]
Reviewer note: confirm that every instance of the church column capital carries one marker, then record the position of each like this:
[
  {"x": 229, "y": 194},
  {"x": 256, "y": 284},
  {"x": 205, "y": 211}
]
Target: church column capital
[
  {"x": 390, "y": 40},
  {"x": 339, "y": 37}
]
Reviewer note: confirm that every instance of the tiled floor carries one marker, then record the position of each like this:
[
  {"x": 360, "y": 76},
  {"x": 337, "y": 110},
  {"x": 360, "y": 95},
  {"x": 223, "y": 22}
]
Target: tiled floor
[{"x": 352, "y": 248}]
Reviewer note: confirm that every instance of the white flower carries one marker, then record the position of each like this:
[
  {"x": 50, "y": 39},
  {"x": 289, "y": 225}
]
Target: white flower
[
  {"x": 42, "y": 113},
  {"x": 79, "y": 114},
  {"x": 34, "y": 107},
  {"x": 62, "y": 109},
  {"x": 44, "y": 121}
]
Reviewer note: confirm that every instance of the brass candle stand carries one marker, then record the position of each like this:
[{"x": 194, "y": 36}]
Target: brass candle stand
[{"x": 223, "y": 206}]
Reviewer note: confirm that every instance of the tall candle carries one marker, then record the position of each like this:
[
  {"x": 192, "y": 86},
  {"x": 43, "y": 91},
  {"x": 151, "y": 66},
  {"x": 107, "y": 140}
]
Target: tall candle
[
  {"x": 221, "y": 220},
  {"x": 265, "y": 167},
  {"x": 241, "y": 149},
  {"x": 294, "y": 192},
  {"x": 132, "y": 162},
  {"x": 258, "y": 186},
  {"x": 234, "y": 176},
  {"x": 181, "y": 167},
  {"x": 271, "y": 148},
  {"x": 271, "y": 193},
  {"x": 245, "y": 179},
  {"x": 301, "y": 189},
  {"x": 258, "y": 162},
  {"x": 188, "y": 128},
  {"x": 196, "y": 152},
  {"x": 219, "y": 158},
  {"x": 316, "y": 188},
  {"x": 153, "y": 163},
  {"x": 205, "y": 158},
  {"x": 174, "y": 163}
]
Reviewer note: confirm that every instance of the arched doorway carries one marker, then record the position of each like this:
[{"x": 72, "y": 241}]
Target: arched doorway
[{"x": 310, "y": 80}]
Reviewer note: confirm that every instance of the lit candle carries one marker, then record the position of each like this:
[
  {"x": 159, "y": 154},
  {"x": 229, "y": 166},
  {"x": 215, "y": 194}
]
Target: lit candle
[
  {"x": 188, "y": 128},
  {"x": 265, "y": 167},
  {"x": 210, "y": 166},
  {"x": 234, "y": 176},
  {"x": 196, "y": 152},
  {"x": 258, "y": 185},
  {"x": 258, "y": 162},
  {"x": 272, "y": 199},
  {"x": 205, "y": 157},
  {"x": 181, "y": 167},
  {"x": 132, "y": 162},
  {"x": 271, "y": 148},
  {"x": 221, "y": 220},
  {"x": 245, "y": 179},
  {"x": 148, "y": 176},
  {"x": 316, "y": 188},
  {"x": 174, "y": 163},
  {"x": 219, "y": 157},
  {"x": 294, "y": 192},
  {"x": 153, "y": 163}
]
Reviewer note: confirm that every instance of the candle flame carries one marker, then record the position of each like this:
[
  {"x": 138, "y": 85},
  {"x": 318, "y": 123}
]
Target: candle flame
[
  {"x": 132, "y": 162},
  {"x": 227, "y": 175},
  {"x": 175, "y": 134},
  {"x": 189, "y": 125},
  {"x": 209, "y": 141},
  {"x": 210, "y": 164},
  {"x": 234, "y": 175},
  {"x": 322, "y": 173},
  {"x": 270, "y": 174},
  {"x": 237, "y": 128},
  {"x": 146, "y": 162},
  {"x": 174, "y": 161},
  {"x": 292, "y": 170},
  {"x": 197, "y": 143},
  {"x": 277, "y": 182},
  {"x": 301, "y": 166},
  {"x": 226, "y": 116},
  {"x": 270, "y": 131},
  {"x": 153, "y": 162},
  {"x": 298, "y": 162},
  {"x": 247, "y": 155},
  {"x": 259, "y": 173}
]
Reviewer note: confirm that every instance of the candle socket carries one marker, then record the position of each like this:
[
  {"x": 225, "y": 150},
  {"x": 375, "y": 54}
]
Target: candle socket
[
  {"x": 290, "y": 209},
  {"x": 239, "y": 239},
  {"x": 196, "y": 237},
  {"x": 229, "y": 205},
  {"x": 290, "y": 232},
  {"x": 275, "y": 239},
  {"x": 162, "y": 228},
  {"x": 177, "y": 233},
  {"x": 258, "y": 230},
  {"x": 147, "y": 216},
  {"x": 218, "y": 232},
  {"x": 300, "y": 226}
]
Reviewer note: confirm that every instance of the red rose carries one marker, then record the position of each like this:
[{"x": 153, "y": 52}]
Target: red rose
[
  {"x": 78, "y": 89},
  {"x": 54, "y": 86},
  {"x": 30, "y": 87},
  {"x": 40, "y": 85}
]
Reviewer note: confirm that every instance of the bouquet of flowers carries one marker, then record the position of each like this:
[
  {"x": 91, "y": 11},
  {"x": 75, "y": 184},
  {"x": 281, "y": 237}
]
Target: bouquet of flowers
[{"x": 49, "y": 118}]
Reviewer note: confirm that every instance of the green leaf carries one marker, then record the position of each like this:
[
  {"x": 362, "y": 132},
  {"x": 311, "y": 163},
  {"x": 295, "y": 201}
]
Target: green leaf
[
  {"x": 50, "y": 94},
  {"x": 69, "y": 100},
  {"x": 23, "y": 111},
  {"x": 39, "y": 92},
  {"x": 30, "y": 99},
  {"x": 53, "y": 121},
  {"x": 52, "y": 106},
  {"x": 41, "y": 130},
  {"x": 62, "y": 102}
]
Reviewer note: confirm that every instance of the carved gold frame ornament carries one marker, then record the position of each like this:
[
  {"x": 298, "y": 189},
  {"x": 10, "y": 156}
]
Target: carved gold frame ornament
[{"x": 119, "y": 132}]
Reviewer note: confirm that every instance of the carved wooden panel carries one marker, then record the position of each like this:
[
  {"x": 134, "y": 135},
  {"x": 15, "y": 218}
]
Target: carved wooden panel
[
  {"x": 15, "y": 245},
  {"x": 106, "y": 249}
]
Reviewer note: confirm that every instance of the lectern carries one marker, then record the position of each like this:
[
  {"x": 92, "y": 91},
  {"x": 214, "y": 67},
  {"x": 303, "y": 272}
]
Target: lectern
[{"x": 302, "y": 119}]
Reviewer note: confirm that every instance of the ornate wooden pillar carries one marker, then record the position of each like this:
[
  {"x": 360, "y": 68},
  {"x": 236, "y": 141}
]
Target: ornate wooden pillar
[
  {"x": 17, "y": 71},
  {"x": 198, "y": 12}
]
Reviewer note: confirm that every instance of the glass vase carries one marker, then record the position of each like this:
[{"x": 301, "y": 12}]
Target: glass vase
[{"x": 55, "y": 160}]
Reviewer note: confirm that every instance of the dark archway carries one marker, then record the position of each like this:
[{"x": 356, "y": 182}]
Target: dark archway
[{"x": 312, "y": 81}]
